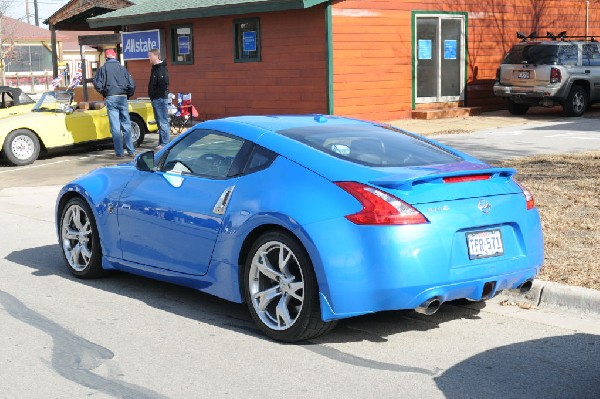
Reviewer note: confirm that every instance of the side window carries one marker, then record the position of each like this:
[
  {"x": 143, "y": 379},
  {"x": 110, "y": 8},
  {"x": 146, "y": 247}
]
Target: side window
[
  {"x": 246, "y": 34},
  {"x": 204, "y": 153},
  {"x": 182, "y": 45},
  {"x": 260, "y": 159},
  {"x": 590, "y": 55},
  {"x": 567, "y": 55}
]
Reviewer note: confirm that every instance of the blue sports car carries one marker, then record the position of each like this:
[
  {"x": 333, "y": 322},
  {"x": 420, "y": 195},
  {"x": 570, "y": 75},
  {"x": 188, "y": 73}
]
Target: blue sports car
[{"x": 307, "y": 219}]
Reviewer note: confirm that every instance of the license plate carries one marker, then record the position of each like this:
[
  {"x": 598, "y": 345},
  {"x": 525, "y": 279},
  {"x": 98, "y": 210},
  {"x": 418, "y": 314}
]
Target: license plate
[
  {"x": 484, "y": 244},
  {"x": 523, "y": 75}
]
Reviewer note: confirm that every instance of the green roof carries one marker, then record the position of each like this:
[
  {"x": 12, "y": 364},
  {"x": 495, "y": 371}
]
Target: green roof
[{"x": 145, "y": 11}]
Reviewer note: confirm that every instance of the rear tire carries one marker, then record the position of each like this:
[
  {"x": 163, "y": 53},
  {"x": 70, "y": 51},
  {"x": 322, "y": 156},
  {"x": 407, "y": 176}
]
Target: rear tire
[
  {"x": 576, "y": 102},
  {"x": 138, "y": 130},
  {"x": 21, "y": 147},
  {"x": 516, "y": 108},
  {"x": 281, "y": 291}
]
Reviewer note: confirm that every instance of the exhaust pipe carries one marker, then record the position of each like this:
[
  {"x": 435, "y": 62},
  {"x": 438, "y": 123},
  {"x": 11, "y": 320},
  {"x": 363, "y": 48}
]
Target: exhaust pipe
[
  {"x": 525, "y": 287},
  {"x": 429, "y": 307}
]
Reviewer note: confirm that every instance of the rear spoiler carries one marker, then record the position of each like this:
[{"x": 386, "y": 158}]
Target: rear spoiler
[{"x": 404, "y": 183}]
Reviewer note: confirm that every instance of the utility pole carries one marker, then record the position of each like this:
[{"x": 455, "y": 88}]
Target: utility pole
[
  {"x": 27, "y": 11},
  {"x": 35, "y": 7}
]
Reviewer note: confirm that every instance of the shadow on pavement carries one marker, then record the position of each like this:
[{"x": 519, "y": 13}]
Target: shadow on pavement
[
  {"x": 204, "y": 308},
  {"x": 554, "y": 367}
]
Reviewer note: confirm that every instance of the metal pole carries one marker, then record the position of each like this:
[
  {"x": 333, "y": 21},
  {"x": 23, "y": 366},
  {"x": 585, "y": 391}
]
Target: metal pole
[{"x": 35, "y": 7}]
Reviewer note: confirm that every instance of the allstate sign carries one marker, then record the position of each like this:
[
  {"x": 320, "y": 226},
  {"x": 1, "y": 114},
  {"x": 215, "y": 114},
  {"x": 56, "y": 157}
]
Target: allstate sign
[{"x": 137, "y": 44}]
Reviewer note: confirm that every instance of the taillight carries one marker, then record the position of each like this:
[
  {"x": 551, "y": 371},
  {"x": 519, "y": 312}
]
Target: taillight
[
  {"x": 498, "y": 75},
  {"x": 380, "y": 208},
  {"x": 462, "y": 179},
  {"x": 555, "y": 76},
  {"x": 528, "y": 197}
]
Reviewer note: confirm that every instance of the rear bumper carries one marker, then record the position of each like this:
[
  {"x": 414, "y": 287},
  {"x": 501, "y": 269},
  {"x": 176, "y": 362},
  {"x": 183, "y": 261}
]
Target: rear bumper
[
  {"x": 412, "y": 297},
  {"x": 369, "y": 269},
  {"x": 530, "y": 95}
]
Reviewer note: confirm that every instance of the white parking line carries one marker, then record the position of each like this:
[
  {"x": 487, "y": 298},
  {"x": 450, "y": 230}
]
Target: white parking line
[{"x": 22, "y": 168}]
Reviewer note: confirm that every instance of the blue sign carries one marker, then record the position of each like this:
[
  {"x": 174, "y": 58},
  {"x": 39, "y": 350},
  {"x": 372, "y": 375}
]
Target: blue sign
[
  {"x": 137, "y": 44},
  {"x": 183, "y": 45},
  {"x": 249, "y": 42},
  {"x": 449, "y": 49},
  {"x": 424, "y": 49}
]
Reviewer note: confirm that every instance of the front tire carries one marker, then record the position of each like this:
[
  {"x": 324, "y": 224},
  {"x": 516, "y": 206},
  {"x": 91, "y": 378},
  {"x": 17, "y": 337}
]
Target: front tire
[
  {"x": 21, "y": 147},
  {"x": 516, "y": 108},
  {"x": 79, "y": 240},
  {"x": 576, "y": 102},
  {"x": 281, "y": 290}
]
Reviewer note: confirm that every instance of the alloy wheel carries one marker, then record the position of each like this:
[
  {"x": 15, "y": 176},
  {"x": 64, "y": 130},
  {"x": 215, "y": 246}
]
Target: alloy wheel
[
  {"x": 76, "y": 234},
  {"x": 276, "y": 285}
]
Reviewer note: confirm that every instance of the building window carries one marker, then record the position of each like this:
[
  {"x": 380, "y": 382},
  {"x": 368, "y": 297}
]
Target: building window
[
  {"x": 28, "y": 58},
  {"x": 182, "y": 48},
  {"x": 247, "y": 40}
]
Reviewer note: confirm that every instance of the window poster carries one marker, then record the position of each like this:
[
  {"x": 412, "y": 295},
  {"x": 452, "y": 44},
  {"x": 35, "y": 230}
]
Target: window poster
[
  {"x": 424, "y": 49},
  {"x": 449, "y": 49}
]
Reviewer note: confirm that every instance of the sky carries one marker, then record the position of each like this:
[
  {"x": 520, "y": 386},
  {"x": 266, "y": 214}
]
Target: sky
[{"x": 45, "y": 9}]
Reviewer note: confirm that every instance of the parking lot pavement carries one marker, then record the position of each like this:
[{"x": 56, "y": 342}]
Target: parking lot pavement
[{"x": 61, "y": 168}]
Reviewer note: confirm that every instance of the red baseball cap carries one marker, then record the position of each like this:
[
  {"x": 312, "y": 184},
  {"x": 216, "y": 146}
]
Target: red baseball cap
[{"x": 110, "y": 53}]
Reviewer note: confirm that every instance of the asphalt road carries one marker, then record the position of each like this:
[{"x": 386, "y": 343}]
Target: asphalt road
[{"x": 130, "y": 337}]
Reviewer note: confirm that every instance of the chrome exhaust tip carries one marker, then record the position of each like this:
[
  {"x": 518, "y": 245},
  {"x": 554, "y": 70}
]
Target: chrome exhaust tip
[{"x": 429, "y": 307}]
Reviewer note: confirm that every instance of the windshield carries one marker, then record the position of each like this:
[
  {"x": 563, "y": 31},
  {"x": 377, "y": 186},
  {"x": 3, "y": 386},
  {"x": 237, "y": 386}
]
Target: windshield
[
  {"x": 371, "y": 145},
  {"x": 54, "y": 101}
]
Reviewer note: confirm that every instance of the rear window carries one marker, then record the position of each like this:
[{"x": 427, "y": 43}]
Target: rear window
[
  {"x": 532, "y": 54},
  {"x": 371, "y": 145}
]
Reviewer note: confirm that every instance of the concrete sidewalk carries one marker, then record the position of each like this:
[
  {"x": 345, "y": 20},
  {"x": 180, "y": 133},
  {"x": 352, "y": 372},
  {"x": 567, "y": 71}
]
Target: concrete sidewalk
[{"x": 488, "y": 120}]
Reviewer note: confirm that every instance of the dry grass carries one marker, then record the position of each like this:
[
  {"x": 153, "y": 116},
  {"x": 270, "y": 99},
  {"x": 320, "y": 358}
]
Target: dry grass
[{"x": 566, "y": 189}]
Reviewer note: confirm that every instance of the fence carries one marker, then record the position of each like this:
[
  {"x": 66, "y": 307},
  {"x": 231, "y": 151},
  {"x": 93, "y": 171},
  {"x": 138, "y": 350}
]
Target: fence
[{"x": 30, "y": 82}]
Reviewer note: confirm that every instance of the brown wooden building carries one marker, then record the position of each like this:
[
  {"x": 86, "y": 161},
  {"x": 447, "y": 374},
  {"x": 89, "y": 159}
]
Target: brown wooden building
[{"x": 373, "y": 59}]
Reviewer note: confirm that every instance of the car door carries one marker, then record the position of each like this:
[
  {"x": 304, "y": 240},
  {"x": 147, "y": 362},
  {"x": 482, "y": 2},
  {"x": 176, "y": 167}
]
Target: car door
[
  {"x": 88, "y": 125},
  {"x": 590, "y": 61},
  {"x": 170, "y": 219}
]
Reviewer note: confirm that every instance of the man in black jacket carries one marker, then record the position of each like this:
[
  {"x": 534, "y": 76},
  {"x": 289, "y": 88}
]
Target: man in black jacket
[
  {"x": 116, "y": 85},
  {"x": 158, "y": 91}
]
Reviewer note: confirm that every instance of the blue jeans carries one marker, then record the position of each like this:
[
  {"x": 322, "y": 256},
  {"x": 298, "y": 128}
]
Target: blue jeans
[
  {"x": 159, "y": 106},
  {"x": 118, "y": 118}
]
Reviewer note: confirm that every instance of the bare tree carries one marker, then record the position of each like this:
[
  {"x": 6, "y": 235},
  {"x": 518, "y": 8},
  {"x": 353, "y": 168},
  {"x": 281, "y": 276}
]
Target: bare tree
[{"x": 6, "y": 38}]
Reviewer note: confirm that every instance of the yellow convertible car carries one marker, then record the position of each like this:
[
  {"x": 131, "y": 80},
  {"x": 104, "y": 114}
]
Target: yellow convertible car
[
  {"x": 14, "y": 102},
  {"x": 56, "y": 123}
]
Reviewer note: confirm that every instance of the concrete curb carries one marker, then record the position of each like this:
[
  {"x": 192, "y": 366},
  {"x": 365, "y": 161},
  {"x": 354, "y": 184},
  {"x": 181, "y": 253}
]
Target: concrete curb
[{"x": 549, "y": 294}]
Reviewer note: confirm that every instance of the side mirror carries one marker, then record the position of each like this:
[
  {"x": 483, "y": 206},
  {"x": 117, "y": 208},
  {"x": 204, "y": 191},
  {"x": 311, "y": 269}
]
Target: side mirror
[{"x": 145, "y": 161}]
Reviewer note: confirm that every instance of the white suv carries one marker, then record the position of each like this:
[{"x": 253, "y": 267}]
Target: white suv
[{"x": 550, "y": 72}]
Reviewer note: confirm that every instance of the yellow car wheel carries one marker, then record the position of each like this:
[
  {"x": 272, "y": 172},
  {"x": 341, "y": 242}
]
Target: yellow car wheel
[
  {"x": 138, "y": 130},
  {"x": 21, "y": 147}
]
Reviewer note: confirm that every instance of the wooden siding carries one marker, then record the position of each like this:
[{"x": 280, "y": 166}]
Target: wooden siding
[
  {"x": 290, "y": 78},
  {"x": 372, "y": 49}
]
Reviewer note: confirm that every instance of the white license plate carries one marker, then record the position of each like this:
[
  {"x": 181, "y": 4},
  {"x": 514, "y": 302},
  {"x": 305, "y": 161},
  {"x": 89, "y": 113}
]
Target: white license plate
[
  {"x": 484, "y": 244},
  {"x": 523, "y": 75}
]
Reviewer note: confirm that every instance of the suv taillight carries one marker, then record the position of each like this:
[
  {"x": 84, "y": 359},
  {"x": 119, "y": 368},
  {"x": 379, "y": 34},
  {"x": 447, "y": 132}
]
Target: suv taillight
[
  {"x": 555, "y": 76},
  {"x": 498, "y": 75}
]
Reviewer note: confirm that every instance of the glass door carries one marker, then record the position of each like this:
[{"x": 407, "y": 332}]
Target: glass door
[{"x": 440, "y": 58}]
